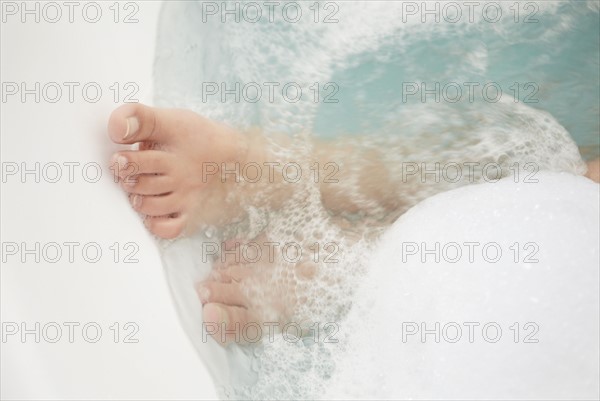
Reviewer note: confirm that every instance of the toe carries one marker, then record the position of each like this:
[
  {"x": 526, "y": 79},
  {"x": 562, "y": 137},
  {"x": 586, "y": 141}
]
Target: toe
[
  {"x": 134, "y": 122},
  {"x": 165, "y": 227},
  {"x": 149, "y": 184},
  {"x": 234, "y": 324},
  {"x": 224, "y": 293},
  {"x": 232, "y": 273},
  {"x": 159, "y": 205},
  {"x": 131, "y": 163}
]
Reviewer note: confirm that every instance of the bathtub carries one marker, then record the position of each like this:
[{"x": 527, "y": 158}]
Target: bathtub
[{"x": 152, "y": 357}]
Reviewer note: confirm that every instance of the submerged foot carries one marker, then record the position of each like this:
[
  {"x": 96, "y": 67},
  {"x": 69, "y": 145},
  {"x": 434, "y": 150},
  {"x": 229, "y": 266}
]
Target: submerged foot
[
  {"x": 255, "y": 289},
  {"x": 291, "y": 288}
]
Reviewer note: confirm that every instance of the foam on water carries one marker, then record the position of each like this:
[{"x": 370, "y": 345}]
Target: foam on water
[
  {"x": 557, "y": 291},
  {"x": 367, "y": 54}
]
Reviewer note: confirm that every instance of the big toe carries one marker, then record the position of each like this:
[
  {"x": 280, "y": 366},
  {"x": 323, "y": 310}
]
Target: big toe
[{"x": 134, "y": 122}]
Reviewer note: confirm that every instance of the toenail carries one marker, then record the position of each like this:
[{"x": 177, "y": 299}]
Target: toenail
[
  {"x": 203, "y": 293},
  {"x": 132, "y": 126},
  {"x": 121, "y": 161},
  {"x": 136, "y": 201}
]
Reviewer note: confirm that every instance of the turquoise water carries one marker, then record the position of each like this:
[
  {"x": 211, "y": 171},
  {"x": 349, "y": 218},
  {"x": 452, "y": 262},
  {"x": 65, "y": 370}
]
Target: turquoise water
[{"x": 564, "y": 65}]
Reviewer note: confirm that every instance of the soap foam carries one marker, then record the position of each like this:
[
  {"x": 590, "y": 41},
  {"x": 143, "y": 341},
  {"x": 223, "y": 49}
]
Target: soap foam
[{"x": 559, "y": 294}]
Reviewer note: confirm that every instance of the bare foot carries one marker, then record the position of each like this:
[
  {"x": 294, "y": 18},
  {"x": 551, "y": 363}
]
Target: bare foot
[
  {"x": 171, "y": 179},
  {"x": 593, "y": 170}
]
